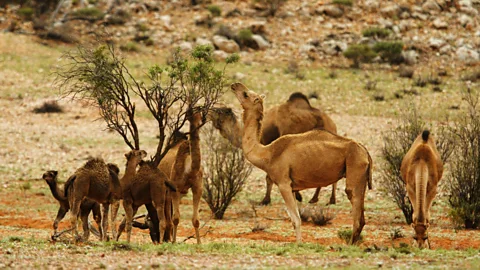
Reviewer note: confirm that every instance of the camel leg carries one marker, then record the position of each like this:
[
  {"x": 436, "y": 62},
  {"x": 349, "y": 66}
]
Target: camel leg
[
  {"x": 129, "y": 213},
  {"x": 430, "y": 196},
  {"x": 84, "y": 218},
  {"x": 266, "y": 199},
  {"x": 412, "y": 198},
  {"x": 333, "y": 197},
  {"x": 97, "y": 216},
  {"x": 176, "y": 214},
  {"x": 105, "y": 208},
  {"x": 315, "y": 196},
  {"x": 197, "y": 195},
  {"x": 155, "y": 229},
  {"x": 286, "y": 191},
  {"x": 75, "y": 210},
  {"x": 355, "y": 189},
  {"x": 167, "y": 237},
  {"x": 60, "y": 215},
  {"x": 113, "y": 218}
]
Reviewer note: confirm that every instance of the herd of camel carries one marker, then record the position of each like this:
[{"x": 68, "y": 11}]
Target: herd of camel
[{"x": 296, "y": 144}]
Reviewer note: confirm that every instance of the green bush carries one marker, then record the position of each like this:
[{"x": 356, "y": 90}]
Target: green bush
[
  {"x": 343, "y": 2},
  {"x": 26, "y": 13},
  {"x": 359, "y": 53},
  {"x": 88, "y": 13},
  {"x": 215, "y": 10},
  {"x": 244, "y": 39},
  {"x": 376, "y": 32},
  {"x": 390, "y": 51},
  {"x": 346, "y": 235},
  {"x": 130, "y": 47}
]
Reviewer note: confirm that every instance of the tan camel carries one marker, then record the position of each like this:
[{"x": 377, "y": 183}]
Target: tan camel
[
  {"x": 292, "y": 117},
  {"x": 96, "y": 181},
  {"x": 86, "y": 207},
  {"x": 182, "y": 164},
  {"x": 147, "y": 186},
  {"x": 422, "y": 169},
  {"x": 309, "y": 160}
]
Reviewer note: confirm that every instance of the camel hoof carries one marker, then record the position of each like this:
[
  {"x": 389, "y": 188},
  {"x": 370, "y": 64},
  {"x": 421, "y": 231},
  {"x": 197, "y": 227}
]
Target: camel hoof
[
  {"x": 313, "y": 200},
  {"x": 54, "y": 237},
  {"x": 265, "y": 202},
  {"x": 298, "y": 196},
  {"x": 332, "y": 202}
]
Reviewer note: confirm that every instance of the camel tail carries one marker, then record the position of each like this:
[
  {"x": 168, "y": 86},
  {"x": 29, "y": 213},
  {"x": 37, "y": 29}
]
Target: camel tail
[
  {"x": 370, "y": 171},
  {"x": 171, "y": 186},
  {"x": 68, "y": 184},
  {"x": 425, "y": 135},
  {"x": 421, "y": 181}
]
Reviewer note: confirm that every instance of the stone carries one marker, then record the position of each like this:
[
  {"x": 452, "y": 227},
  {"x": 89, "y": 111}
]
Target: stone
[
  {"x": 261, "y": 42},
  {"x": 333, "y": 11},
  {"x": 203, "y": 41},
  {"x": 258, "y": 27},
  {"x": 445, "y": 49},
  {"x": 431, "y": 6},
  {"x": 226, "y": 45},
  {"x": 390, "y": 10},
  {"x": 467, "y": 55},
  {"x": 436, "y": 43},
  {"x": 410, "y": 56},
  {"x": 185, "y": 46},
  {"x": 219, "y": 55},
  {"x": 465, "y": 20},
  {"x": 239, "y": 76},
  {"x": 371, "y": 5},
  {"x": 440, "y": 24},
  {"x": 420, "y": 16},
  {"x": 334, "y": 47}
]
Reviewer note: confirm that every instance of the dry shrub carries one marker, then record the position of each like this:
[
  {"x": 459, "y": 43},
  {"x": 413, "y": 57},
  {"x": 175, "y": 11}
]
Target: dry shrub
[
  {"x": 225, "y": 172},
  {"x": 318, "y": 215},
  {"x": 49, "y": 107},
  {"x": 64, "y": 33},
  {"x": 396, "y": 144},
  {"x": 464, "y": 187}
]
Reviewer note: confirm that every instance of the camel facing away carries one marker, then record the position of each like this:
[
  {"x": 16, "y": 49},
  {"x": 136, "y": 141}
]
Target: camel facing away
[
  {"x": 292, "y": 117},
  {"x": 422, "y": 169},
  {"x": 86, "y": 207},
  {"x": 309, "y": 160},
  {"x": 94, "y": 180},
  {"x": 182, "y": 164},
  {"x": 147, "y": 186}
]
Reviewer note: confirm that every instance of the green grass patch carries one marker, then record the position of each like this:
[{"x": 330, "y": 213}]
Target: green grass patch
[
  {"x": 90, "y": 13},
  {"x": 215, "y": 10},
  {"x": 376, "y": 32},
  {"x": 343, "y": 2}
]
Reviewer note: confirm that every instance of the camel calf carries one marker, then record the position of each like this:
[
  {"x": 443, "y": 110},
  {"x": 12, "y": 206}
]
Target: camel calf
[{"x": 421, "y": 170}]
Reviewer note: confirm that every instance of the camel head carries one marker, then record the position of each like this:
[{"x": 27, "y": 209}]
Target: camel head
[
  {"x": 135, "y": 156},
  {"x": 421, "y": 235},
  {"x": 249, "y": 100},
  {"x": 113, "y": 168},
  {"x": 50, "y": 176}
]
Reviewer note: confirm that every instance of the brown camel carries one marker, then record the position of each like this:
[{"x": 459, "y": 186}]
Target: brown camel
[
  {"x": 182, "y": 164},
  {"x": 86, "y": 207},
  {"x": 96, "y": 181},
  {"x": 309, "y": 160},
  {"x": 147, "y": 186},
  {"x": 292, "y": 117},
  {"x": 421, "y": 170}
]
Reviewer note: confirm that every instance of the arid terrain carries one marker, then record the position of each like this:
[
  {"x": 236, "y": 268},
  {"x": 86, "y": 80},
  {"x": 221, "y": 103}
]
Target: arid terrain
[{"x": 249, "y": 236}]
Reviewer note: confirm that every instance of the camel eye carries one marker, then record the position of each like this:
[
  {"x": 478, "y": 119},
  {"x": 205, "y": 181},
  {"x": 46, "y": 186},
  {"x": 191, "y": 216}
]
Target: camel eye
[{"x": 245, "y": 95}]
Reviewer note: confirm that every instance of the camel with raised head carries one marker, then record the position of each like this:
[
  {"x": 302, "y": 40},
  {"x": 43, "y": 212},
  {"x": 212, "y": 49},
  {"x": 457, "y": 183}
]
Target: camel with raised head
[
  {"x": 182, "y": 164},
  {"x": 422, "y": 169},
  {"x": 292, "y": 117},
  {"x": 308, "y": 160},
  {"x": 147, "y": 186},
  {"x": 86, "y": 207},
  {"x": 94, "y": 180}
]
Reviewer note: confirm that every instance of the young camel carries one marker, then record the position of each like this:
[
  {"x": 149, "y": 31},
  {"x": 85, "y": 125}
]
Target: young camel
[
  {"x": 96, "y": 181},
  {"x": 308, "y": 160},
  {"x": 86, "y": 207},
  {"x": 182, "y": 164},
  {"x": 292, "y": 117},
  {"x": 422, "y": 169},
  {"x": 147, "y": 186}
]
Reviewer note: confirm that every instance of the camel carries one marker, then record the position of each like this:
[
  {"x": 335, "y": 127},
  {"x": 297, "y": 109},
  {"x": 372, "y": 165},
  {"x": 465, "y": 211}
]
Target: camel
[
  {"x": 292, "y": 117},
  {"x": 86, "y": 207},
  {"x": 422, "y": 169},
  {"x": 182, "y": 164},
  {"x": 147, "y": 186},
  {"x": 96, "y": 181},
  {"x": 312, "y": 159}
]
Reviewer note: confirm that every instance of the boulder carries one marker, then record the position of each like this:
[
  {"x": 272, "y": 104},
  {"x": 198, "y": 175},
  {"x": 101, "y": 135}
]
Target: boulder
[
  {"x": 203, "y": 41},
  {"x": 331, "y": 10},
  {"x": 467, "y": 55},
  {"x": 226, "y": 45},
  {"x": 436, "y": 43},
  {"x": 334, "y": 47},
  {"x": 261, "y": 42},
  {"x": 219, "y": 55},
  {"x": 390, "y": 10},
  {"x": 431, "y": 6},
  {"x": 185, "y": 46},
  {"x": 410, "y": 56},
  {"x": 465, "y": 20},
  {"x": 440, "y": 24}
]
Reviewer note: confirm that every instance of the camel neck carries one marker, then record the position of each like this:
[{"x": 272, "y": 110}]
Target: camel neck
[
  {"x": 130, "y": 171},
  {"x": 56, "y": 192},
  {"x": 195, "y": 143},
  {"x": 254, "y": 151}
]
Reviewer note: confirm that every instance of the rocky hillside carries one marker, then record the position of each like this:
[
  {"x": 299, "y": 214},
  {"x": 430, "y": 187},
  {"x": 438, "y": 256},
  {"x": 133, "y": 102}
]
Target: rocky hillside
[{"x": 430, "y": 33}]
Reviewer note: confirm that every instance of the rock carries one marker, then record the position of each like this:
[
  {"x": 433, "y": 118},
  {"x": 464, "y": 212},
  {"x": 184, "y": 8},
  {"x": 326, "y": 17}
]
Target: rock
[
  {"x": 239, "y": 76},
  {"x": 261, "y": 42},
  {"x": 332, "y": 11},
  {"x": 185, "y": 46},
  {"x": 390, "y": 10},
  {"x": 307, "y": 48},
  {"x": 419, "y": 16},
  {"x": 465, "y": 20},
  {"x": 219, "y": 55},
  {"x": 333, "y": 47},
  {"x": 166, "y": 21},
  {"x": 203, "y": 41},
  {"x": 467, "y": 54},
  {"x": 405, "y": 25},
  {"x": 431, "y": 6},
  {"x": 258, "y": 27},
  {"x": 410, "y": 56},
  {"x": 385, "y": 23},
  {"x": 226, "y": 45},
  {"x": 371, "y": 5},
  {"x": 445, "y": 49},
  {"x": 440, "y": 24},
  {"x": 436, "y": 43}
]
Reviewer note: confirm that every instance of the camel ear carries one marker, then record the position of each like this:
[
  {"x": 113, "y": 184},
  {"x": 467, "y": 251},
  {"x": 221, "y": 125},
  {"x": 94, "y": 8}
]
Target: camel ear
[
  {"x": 263, "y": 96},
  {"x": 127, "y": 155},
  {"x": 55, "y": 173},
  {"x": 143, "y": 153}
]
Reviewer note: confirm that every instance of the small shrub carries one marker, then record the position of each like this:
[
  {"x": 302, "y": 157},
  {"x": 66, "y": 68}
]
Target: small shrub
[
  {"x": 404, "y": 248},
  {"x": 370, "y": 85},
  {"x": 472, "y": 76},
  {"x": 432, "y": 79},
  {"x": 406, "y": 72},
  {"x": 49, "y": 107},
  {"x": 15, "y": 239},
  {"x": 378, "y": 96},
  {"x": 376, "y": 32},
  {"x": 92, "y": 14},
  {"x": 215, "y": 10},
  {"x": 343, "y": 2},
  {"x": 322, "y": 217},
  {"x": 130, "y": 47},
  {"x": 396, "y": 233},
  {"x": 120, "y": 17},
  {"x": 226, "y": 171},
  {"x": 272, "y": 6},
  {"x": 420, "y": 81},
  {"x": 142, "y": 27},
  {"x": 64, "y": 33},
  {"x": 26, "y": 13},
  {"x": 332, "y": 74},
  {"x": 359, "y": 53},
  {"x": 346, "y": 235},
  {"x": 464, "y": 187},
  {"x": 225, "y": 31},
  {"x": 244, "y": 38},
  {"x": 390, "y": 51},
  {"x": 305, "y": 213}
]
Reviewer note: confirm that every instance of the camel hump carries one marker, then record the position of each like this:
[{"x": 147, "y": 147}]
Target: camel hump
[
  {"x": 297, "y": 96},
  {"x": 94, "y": 163},
  {"x": 425, "y": 135},
  {"x": 68, "y": 184}
]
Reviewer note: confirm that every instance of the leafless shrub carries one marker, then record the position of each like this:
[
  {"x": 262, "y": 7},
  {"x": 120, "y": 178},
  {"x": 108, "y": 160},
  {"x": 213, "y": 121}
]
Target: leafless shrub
[
  {"x": 370, "y": 85},
  {"x": 405, "y": 71},
  {"x": 51, "y": 106},
  {"x": 396, "y": 144},
  {"x": 396, "y": 233},
  {"x": 226, "y": 171},
  {"x": 464, "y": 187},
  {"x": 420, "y": 81},
  {"x": 322, "y": 216}
]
